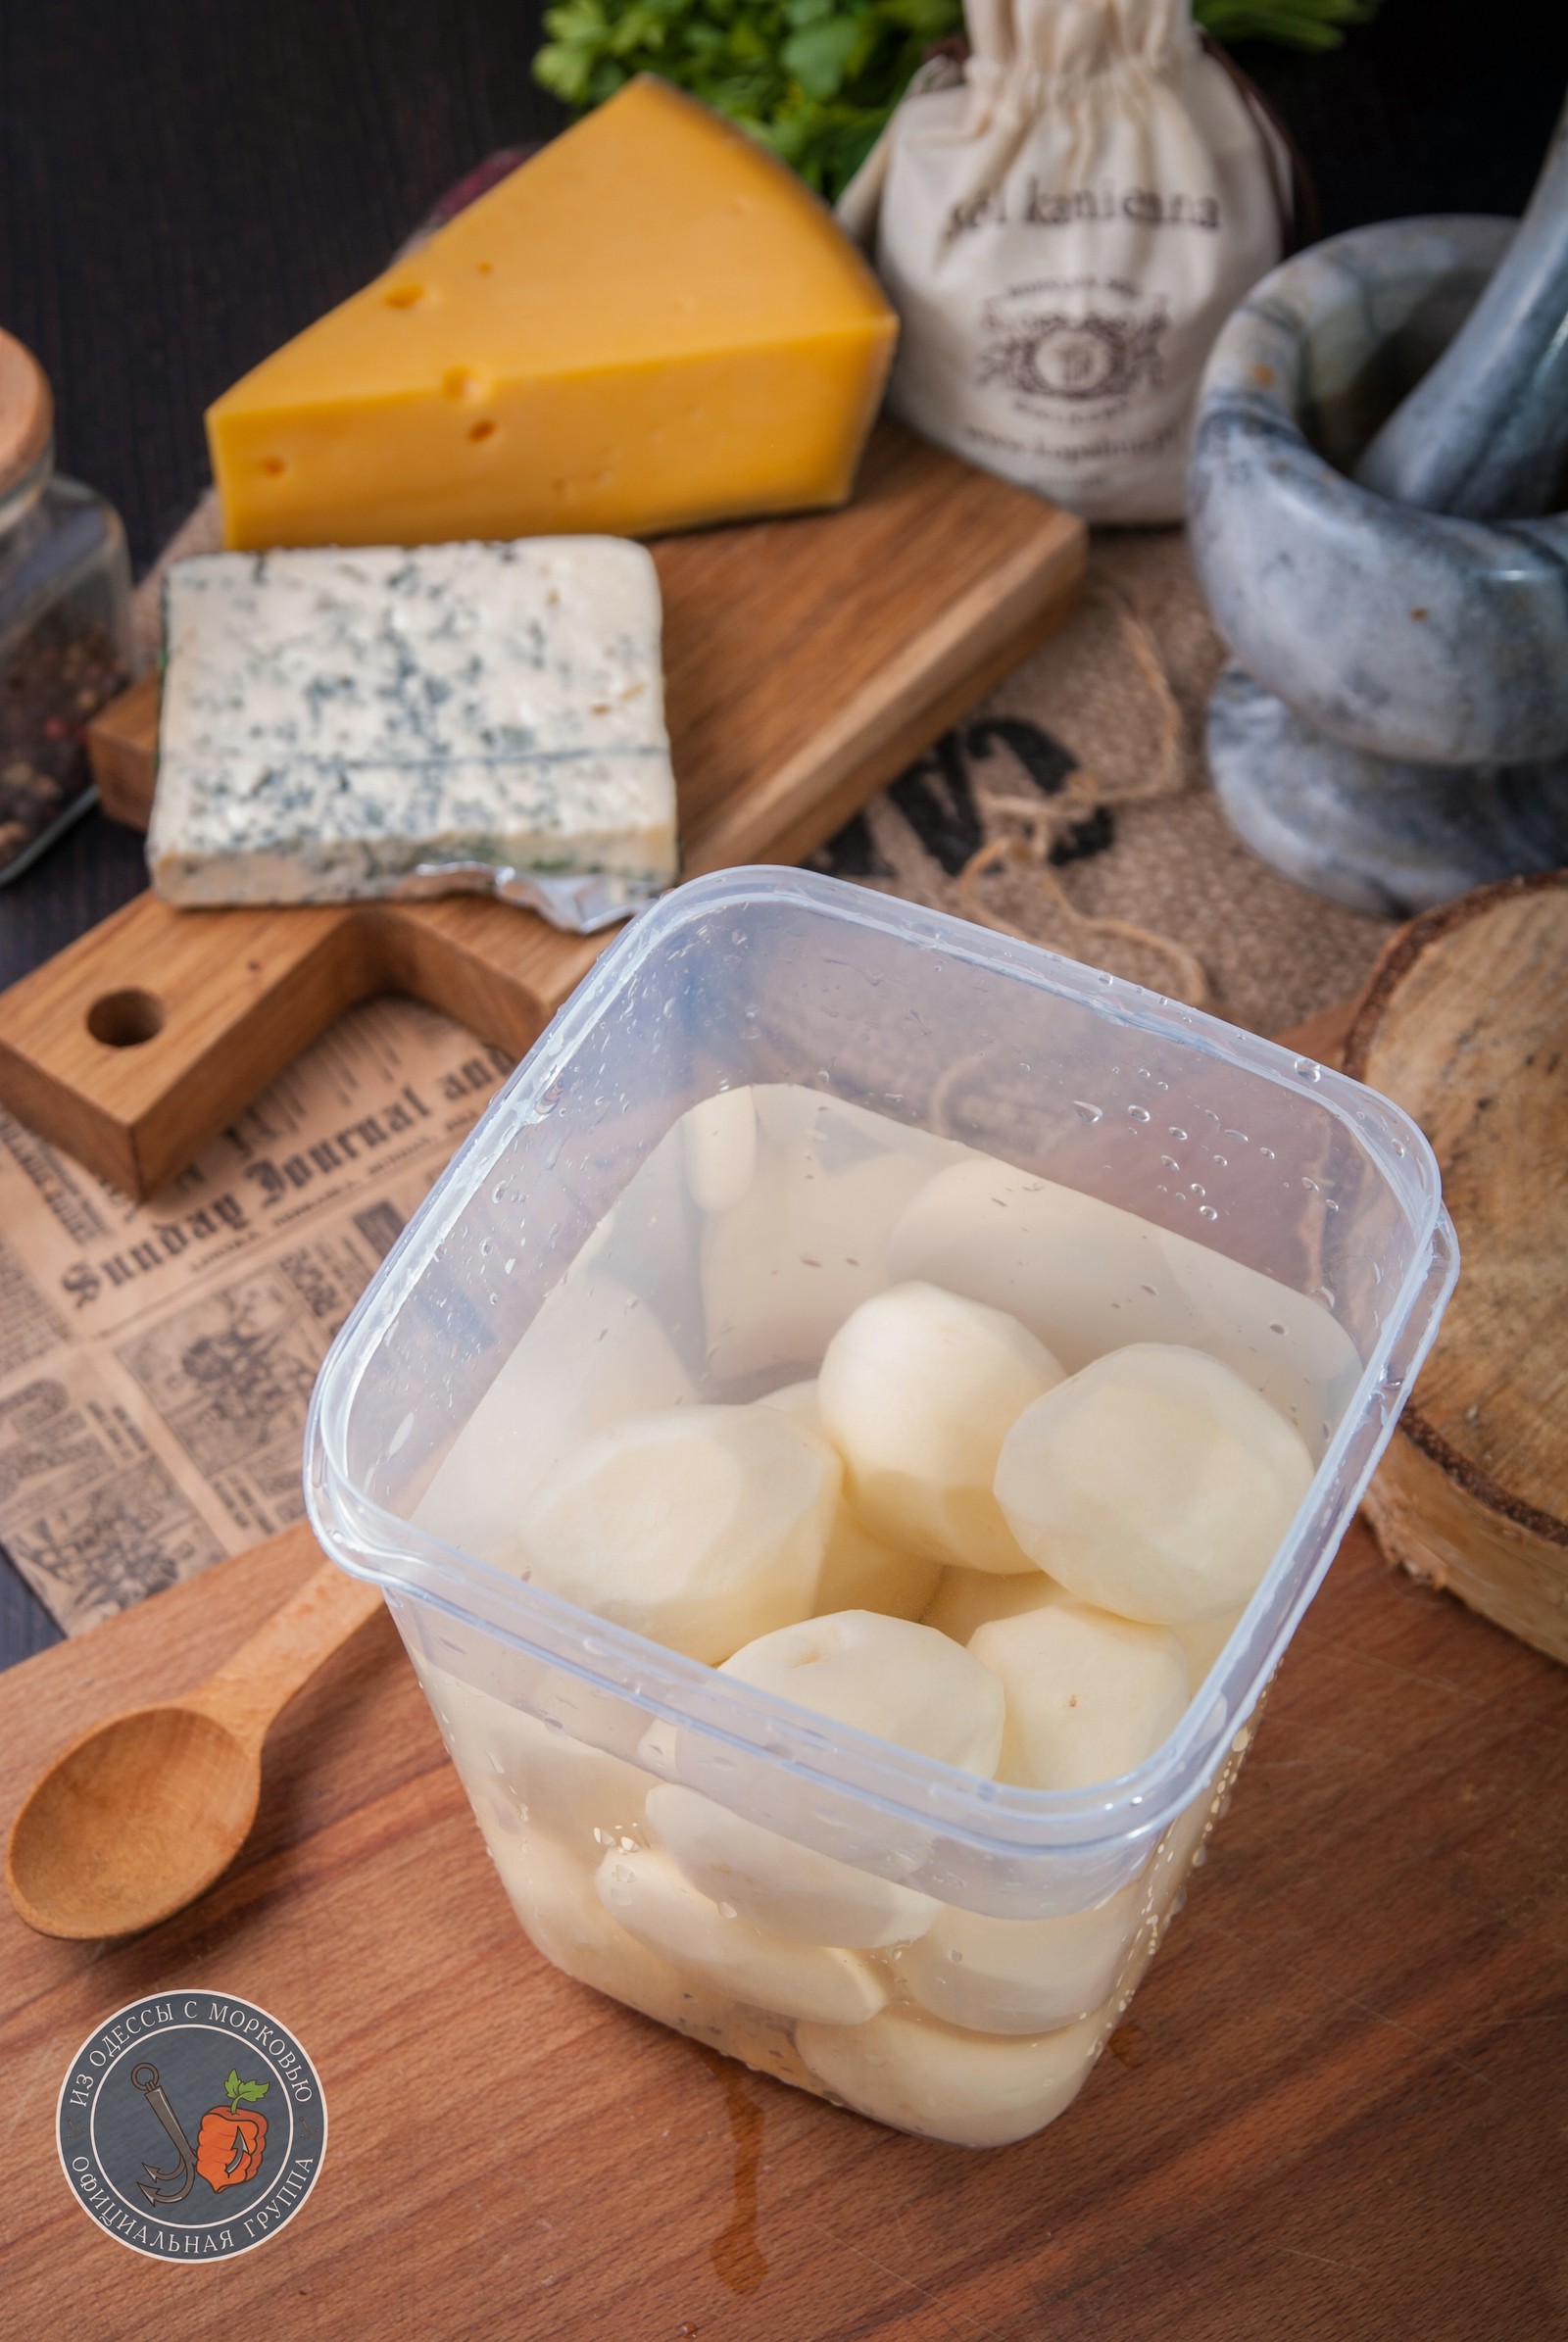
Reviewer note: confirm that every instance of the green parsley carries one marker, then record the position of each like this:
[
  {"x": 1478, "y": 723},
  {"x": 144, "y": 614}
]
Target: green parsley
[
  {"x": 817, "y": 80},
  {"x": 250, "y": 2091}
]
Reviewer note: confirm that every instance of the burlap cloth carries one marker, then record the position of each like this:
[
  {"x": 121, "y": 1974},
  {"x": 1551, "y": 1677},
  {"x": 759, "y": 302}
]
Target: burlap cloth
[{"x": 1092, "y": 751}]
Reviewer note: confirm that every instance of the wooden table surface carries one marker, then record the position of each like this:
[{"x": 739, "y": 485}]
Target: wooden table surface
[
  {"x": 183, "y": 186},
  {"x": 1337, "y": 2109}
]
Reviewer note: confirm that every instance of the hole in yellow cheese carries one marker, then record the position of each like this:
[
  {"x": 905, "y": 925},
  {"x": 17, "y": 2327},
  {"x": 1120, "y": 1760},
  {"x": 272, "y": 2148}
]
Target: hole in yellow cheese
[
  {"x": 653, "y": 288},
  {"x": 481, "y": 430}
]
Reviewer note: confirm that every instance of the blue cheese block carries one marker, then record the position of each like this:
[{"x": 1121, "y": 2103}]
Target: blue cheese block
[{"x": 376, "y": 721}]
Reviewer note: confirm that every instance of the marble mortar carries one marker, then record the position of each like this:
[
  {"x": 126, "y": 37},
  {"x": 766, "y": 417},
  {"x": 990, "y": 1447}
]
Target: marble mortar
[{"x": 1395, "y": 728}]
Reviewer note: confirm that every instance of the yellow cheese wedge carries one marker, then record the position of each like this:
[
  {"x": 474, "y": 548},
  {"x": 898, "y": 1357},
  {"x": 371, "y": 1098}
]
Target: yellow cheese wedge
[{"x": 653, "y": 325}]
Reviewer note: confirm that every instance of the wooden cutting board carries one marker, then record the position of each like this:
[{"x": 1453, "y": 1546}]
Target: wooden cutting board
[
  {"x": 807, "y": 661},
  {"x": 1335, "y": 2108}
]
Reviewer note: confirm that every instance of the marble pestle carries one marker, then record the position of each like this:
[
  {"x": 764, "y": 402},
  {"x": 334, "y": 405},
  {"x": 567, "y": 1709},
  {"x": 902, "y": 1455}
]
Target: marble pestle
[{"x": 1485, "y": 433}]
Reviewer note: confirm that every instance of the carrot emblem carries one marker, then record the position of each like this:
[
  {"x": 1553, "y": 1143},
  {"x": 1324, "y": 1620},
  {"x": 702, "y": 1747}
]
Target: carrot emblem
[{"x": 230, "y": 2143}]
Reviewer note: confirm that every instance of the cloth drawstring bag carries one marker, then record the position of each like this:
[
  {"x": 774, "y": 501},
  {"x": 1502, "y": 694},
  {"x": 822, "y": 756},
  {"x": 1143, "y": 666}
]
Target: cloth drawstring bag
[{"x": 1063, "y": 222}]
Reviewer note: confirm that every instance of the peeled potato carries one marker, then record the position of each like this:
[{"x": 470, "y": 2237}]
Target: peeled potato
[
  {"x": 523, "y": 1774},
  {"x": 1088, "y": 1278},
  {"x": 645, "y": 1893},
  {"x": 965, "y": 1600},
  {"x": 555, "y": 1898},
  {"x": 943, "y": 2083},
  {"x": 594, "y": 1354},
  {"x": 1082, "y": 1274},
  {"x": 888, "y": 1676},
  {"x": 1089, "y": 1696},
  {"x": 1287, "y": 1344},
  {"x": 806, "y": 1242},
  {"x": 1204, "y": 1639},
  {"x": 1021, "y": 1976},
  {"x": 917, "y": 1391},
  {"x": 904, "y": 1682},
  {"x": 701, "y": 1528},
  {"x": 859, "y": 1572},
  {"x": 1155, "y": 1483},
  {"x": 719, "y": 1141},
  {"x": 791, "y": 1891}
]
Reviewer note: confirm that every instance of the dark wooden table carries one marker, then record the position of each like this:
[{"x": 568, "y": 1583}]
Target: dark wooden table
[
  {"x": 183, "y": 185},
  {"x": 1333, "y": 2113}
]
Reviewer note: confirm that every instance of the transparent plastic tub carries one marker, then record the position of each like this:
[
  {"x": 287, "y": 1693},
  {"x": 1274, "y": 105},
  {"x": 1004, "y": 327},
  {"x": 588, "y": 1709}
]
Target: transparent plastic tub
[{"x": 1296, "y": 1215}]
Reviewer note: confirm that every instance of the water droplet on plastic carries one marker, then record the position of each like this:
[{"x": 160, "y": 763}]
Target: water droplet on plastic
[
  {"x": 1267, "y": 1154},
  {"x": 1178, "y": 1134},
  {"x": 1137, "y": 1113},
  {"x": 1086, "y": 1112},
  {"x": 1220, "y": 1163},
  {"x": 1171, "y": 1162},
  {"x": 1206, "y": 1211},
  {"x": 1307, "y": 1070},
  {"x": 728, "y": 1911},
  {"x": 1198, "y": 1191}
]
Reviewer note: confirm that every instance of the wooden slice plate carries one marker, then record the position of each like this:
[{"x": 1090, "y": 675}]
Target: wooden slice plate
[
  {"x": 807, "y": 661},
  {"x": 1465, "y": 1024}
]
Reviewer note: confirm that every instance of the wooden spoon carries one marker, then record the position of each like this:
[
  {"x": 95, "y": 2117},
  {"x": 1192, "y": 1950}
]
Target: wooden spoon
[{"x": 139, "y": 1816}]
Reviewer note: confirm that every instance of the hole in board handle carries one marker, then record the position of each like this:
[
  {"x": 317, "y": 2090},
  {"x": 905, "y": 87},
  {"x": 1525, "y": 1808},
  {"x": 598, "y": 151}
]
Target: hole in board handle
[{"x": 123, "y": 1020}]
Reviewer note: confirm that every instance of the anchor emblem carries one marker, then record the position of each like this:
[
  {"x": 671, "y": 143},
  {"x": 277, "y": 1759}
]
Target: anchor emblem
[{"x": 161, "y": 2190}]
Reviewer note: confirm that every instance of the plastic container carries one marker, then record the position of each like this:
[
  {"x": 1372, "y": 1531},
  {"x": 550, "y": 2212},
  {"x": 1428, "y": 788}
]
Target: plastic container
[{"x": 561, "y": 1722}]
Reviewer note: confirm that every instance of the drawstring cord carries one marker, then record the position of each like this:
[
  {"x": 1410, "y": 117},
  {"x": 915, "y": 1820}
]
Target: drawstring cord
[{"x": 1040, "y": 823}]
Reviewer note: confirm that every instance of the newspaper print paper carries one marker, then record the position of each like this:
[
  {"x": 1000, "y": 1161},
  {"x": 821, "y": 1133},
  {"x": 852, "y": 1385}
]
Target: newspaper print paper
[{"x": 157, "y": 1360}]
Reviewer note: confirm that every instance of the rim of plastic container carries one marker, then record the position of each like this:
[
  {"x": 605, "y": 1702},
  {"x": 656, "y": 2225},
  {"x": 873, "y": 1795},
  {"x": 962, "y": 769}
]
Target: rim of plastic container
[{"x": 993, "y": 1818}]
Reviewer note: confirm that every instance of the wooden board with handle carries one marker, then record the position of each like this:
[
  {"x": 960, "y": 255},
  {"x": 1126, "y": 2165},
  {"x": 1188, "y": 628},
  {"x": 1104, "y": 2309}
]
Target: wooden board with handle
[
  {"x": 1335, "y": 2107},
  {"x": 1465, "y": 1024},
  {"x": 807, "y": 660}
]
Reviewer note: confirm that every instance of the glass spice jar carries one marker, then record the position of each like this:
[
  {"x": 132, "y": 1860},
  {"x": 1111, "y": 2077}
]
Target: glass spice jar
[{"x": 65, "y": 619}]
